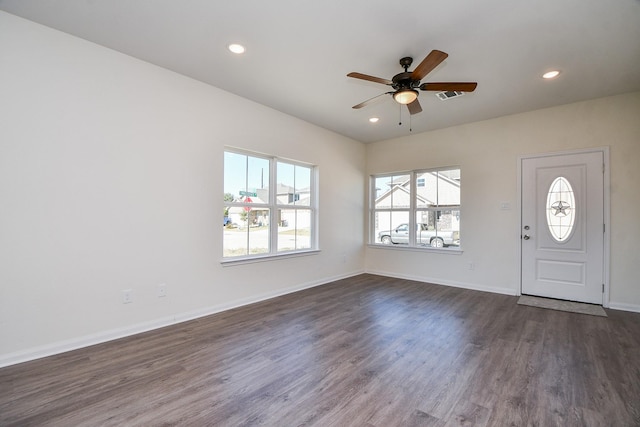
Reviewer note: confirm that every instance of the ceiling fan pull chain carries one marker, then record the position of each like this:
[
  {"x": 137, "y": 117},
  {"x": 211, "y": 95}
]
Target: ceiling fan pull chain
[
  {"x": 410, "y": 130},
  {"x": 400, "y": 115}
]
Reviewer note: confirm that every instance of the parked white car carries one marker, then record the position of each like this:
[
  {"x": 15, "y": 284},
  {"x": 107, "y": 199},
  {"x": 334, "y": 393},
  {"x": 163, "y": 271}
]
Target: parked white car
[{"x": 424, "y": 236}]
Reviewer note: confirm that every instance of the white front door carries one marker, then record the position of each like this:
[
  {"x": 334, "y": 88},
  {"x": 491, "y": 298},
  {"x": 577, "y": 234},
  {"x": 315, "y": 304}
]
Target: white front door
[{"x": 562, "y": 234}]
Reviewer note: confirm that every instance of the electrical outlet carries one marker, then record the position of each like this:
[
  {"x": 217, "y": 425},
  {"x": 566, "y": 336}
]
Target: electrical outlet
[
  {"x": 127, "y": 296},
  {"x": 162, "y": 290}
]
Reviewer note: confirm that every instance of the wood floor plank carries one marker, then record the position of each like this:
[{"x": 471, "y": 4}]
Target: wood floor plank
[
  {"x": 466, "y": 413},
  {"x": 367, "y": 351}
]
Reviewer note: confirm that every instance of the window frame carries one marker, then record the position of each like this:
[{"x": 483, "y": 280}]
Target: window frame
[
  {"x": 273, "y": 205},
  {"x": 412, "y": 210}
]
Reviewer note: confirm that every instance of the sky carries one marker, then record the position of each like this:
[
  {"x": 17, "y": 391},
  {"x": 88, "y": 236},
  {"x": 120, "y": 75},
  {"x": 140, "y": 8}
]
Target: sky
[{"x": 248, "y": 173}]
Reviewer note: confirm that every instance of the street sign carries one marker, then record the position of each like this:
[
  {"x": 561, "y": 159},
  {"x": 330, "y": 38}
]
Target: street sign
[
  {"x": 247, "y": 208},
  {"x": 248, "y": 193}
]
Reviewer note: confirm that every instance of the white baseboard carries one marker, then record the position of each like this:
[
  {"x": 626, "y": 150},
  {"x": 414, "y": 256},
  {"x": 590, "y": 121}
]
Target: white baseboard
[
  {"x": 506, "y": 291},
  {"x": 81, "y": 342},
  {"x": 475, "y": 287},
  {"x": 113, "y": 334},
  {"x": 110, "y": 335},
  {"x": 623, "y": 306},
  {"x": 184, "y": 317}
]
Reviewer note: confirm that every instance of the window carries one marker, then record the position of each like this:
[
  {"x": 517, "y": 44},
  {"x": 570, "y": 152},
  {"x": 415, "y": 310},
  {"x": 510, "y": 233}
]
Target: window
[
  {"x": 560, "y": 209},
  {"x": 427, "y": 201},
  {"x": 269, "y": 205}
]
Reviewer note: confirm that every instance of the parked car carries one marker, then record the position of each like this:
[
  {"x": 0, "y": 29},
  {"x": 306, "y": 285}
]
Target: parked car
[
  {"x": 424, "y": 236},
  {"x": 226, "y": 221}
]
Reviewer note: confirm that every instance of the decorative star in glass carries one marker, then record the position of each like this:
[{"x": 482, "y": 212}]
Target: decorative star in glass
[{"x": 560, "y": 208}]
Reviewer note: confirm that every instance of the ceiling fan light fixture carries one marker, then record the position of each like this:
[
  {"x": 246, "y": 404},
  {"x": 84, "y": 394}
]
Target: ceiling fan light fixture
[{"x": 405, "y": 96}]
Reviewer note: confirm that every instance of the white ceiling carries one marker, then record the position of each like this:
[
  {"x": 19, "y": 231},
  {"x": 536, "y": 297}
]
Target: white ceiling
[{"x": 299, "y": 51}]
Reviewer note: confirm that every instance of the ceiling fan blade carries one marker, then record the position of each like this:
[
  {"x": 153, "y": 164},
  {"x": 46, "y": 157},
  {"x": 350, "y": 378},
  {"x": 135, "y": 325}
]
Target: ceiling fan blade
[
  {"x": 369, "y": 101},
  {"x": 370, "y": 78},
  {"x": 428, "y": 64},
  {"x": 414, "y": 107},
  {"x": 451, "y": 86}
]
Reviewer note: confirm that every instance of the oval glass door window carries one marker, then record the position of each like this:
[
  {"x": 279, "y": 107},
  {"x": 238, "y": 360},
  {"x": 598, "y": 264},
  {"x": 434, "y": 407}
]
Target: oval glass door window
[{"x": 561, "y": 212}]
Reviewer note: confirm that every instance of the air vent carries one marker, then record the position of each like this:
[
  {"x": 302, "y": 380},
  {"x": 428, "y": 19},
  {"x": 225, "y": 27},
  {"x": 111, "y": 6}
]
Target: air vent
[{"x": 449, "y": 94}]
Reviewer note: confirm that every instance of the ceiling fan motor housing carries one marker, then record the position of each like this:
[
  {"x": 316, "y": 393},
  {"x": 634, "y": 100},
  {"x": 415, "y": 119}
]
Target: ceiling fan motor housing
[{"x": 403, "y": 81}]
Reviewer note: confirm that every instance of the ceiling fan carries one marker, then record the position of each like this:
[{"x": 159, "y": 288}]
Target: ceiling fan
[{"x": 406, "y": 83}]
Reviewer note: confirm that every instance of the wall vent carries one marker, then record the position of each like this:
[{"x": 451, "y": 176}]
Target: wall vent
[{"x": 449, "y": 94}]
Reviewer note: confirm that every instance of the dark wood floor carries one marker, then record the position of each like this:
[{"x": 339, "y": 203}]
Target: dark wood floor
[{"x": 364, "y": 351}]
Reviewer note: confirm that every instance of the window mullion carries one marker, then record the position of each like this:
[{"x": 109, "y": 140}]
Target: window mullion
[
  {"x": 294, "y": 202},
  {"x": 314, "y": 208},
  {"x": 273, "y": 206},
  {"x": 372, "y": 209},
  {"x": 412, "y": 209},
  {"x": 246, "y": 188}
]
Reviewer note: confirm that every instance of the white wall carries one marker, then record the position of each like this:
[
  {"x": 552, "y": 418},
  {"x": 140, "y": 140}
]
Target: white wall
[
  {"x": 111, "y": 179},
  {"x": 488, "y": 154}
]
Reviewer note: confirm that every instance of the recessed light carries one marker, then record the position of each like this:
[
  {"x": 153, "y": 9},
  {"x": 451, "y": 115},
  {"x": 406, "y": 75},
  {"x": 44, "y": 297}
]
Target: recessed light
[
  {"x": 236, "y": 48},
  {"x": 374, "y": 119},
  {"x": 551, "y": 74}
]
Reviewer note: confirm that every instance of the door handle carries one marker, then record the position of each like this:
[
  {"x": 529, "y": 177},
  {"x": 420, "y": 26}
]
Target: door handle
[{"x": 526, "y": 237}]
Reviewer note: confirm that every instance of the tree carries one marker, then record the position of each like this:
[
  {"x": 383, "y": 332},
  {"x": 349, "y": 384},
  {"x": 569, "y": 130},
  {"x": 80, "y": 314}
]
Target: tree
[{"x": 228, "y": 197}]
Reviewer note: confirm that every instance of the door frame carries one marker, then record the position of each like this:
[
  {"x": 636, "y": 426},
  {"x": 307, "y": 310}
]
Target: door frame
[{"x": 606, "y": 205}]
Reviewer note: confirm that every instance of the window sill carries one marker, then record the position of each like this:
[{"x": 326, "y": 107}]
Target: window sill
[
  {"x": 447, "y": 251},
  {"x": 229, "y": 262}
]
